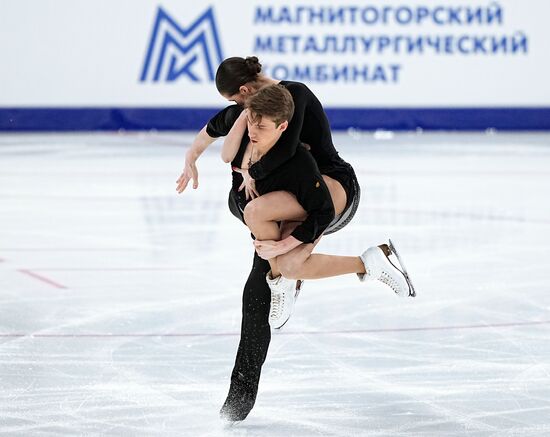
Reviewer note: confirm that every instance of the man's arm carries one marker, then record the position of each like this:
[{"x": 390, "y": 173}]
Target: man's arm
[
  {"x": 301, "y": 177},
  {"x": 314, "y": 196}
]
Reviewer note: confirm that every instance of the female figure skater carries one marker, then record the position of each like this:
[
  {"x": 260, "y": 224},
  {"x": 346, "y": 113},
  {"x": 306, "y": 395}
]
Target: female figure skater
[
  {"x": 288, "y": 249},
  {"x": 267, "y": 115},
  {"x": 236, "y": 79}
]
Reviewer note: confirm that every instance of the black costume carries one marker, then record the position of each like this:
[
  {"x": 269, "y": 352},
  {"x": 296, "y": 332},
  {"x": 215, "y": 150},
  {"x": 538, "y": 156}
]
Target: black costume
[
  {"x": 282, "y": 168},
  {"x": 299, "y": 176},
  {"x": 309, "y": 125}
]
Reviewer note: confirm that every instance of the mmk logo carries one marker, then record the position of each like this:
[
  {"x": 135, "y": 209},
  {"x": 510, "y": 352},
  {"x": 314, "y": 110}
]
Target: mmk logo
[{"x": 174, "y": 51}]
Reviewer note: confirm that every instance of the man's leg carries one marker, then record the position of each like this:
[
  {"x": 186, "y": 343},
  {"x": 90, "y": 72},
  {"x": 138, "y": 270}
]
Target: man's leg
[{"x": 255, "y": 338}]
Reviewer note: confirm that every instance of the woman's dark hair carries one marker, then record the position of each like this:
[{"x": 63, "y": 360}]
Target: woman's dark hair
[{"x": 235, "y": 72}]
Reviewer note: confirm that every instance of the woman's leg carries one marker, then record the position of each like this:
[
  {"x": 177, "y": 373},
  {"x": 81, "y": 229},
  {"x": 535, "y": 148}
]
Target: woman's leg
[
  {"x": 263, "y": 214},
  {"x": 300, "y": 263},
  {"x": 337, "y": 194}
]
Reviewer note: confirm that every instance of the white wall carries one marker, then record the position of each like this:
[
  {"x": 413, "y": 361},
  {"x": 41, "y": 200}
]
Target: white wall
[{"x": 67, "y": 53}]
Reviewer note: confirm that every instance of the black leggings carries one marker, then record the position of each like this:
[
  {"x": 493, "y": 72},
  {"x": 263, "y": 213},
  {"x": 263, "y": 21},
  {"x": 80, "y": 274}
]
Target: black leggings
[{"x": 255, "y": 330}]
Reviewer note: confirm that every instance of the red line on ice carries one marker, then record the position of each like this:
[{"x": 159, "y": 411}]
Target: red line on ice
[
  {"x": 67, "y": 249},
  {"x": 231, "y": 334},
  {"x": 112, "y": 269},
  {"x": 41, "y": 278}
]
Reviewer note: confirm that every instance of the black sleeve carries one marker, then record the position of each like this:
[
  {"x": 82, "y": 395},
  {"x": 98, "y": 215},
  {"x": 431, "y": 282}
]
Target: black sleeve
[
  {"x": 287, "y": 144},
  {"x": 305, "y": 181},
  {"x": 222, "y": 122},
  {"x": 315, "y": 199}
]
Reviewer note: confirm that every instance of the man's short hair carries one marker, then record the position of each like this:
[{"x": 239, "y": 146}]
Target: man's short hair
[{"x": 273, "y": 101}]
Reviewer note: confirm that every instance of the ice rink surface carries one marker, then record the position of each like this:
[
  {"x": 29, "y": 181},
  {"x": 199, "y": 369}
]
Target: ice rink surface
[{"x": 120, "y": 299}]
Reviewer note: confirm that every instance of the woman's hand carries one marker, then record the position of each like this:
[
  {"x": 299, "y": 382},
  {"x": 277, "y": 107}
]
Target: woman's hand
[
  {"x": 190, "y": 171},
  {"x": 249, "y": 184}
]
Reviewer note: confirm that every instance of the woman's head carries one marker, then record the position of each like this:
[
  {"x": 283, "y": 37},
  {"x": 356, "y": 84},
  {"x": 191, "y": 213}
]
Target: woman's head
[{"x": 236, "y": 77}]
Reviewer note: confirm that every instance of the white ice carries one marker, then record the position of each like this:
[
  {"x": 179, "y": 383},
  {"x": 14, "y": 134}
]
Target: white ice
[{"x": 120, "y": 300}]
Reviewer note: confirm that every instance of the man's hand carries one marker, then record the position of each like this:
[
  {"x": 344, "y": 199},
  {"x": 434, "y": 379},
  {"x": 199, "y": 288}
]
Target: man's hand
[{"x": 268, "y": 249}]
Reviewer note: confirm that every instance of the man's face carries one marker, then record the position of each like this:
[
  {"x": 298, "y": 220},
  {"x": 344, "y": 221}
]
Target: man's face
[{"x": 264, "y": 132}]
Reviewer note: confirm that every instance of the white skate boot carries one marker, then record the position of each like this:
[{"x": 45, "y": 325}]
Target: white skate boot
[
  {"x": 284, "y": 293},
  {"x": 380, "y": 267}
]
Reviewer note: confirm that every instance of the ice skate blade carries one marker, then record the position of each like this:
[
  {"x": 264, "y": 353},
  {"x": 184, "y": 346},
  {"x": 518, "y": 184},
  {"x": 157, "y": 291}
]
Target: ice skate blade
[
  {"x": 391, "y": 250},
  {"x": 412, "y": 291},
  {"x": 278, "y": 328},
  {"x": 299, "y": 284}
]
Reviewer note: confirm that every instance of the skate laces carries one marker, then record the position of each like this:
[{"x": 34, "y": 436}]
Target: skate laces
[
  {"x": 388, "y": 279},
  {"x": 277, "y": 304}
]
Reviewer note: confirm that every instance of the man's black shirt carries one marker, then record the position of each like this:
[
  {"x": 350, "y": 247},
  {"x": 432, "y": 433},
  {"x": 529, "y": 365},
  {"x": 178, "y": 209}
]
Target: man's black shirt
[
  {"x": 301, "y": 177},
  {"x": 309, "y": 125}
]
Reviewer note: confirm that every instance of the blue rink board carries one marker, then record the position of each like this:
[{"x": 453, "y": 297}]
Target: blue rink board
[{"x": 106, "y": 119}]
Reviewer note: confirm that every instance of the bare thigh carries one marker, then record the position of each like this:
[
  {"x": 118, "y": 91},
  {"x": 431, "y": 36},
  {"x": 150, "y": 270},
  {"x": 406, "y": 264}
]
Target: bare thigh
[
  {"x": 337, "y": 194},
  {"x": 283, "y": 206},
  {"x": 275, "y": 206}
]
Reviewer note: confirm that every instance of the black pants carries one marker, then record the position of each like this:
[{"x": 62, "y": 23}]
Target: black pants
[{"x": 255, "y": 330}]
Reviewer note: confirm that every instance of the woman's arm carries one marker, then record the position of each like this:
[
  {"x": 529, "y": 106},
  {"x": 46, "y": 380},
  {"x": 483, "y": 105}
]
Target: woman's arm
[
  {"x": 233, "y": 139},
  {"x": 199, "y": 145},
  {"x": 217, "y": 126}
]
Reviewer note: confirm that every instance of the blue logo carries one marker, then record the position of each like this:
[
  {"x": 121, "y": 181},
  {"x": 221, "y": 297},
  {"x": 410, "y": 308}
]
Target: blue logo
[{"x": 174, "y": 51}]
